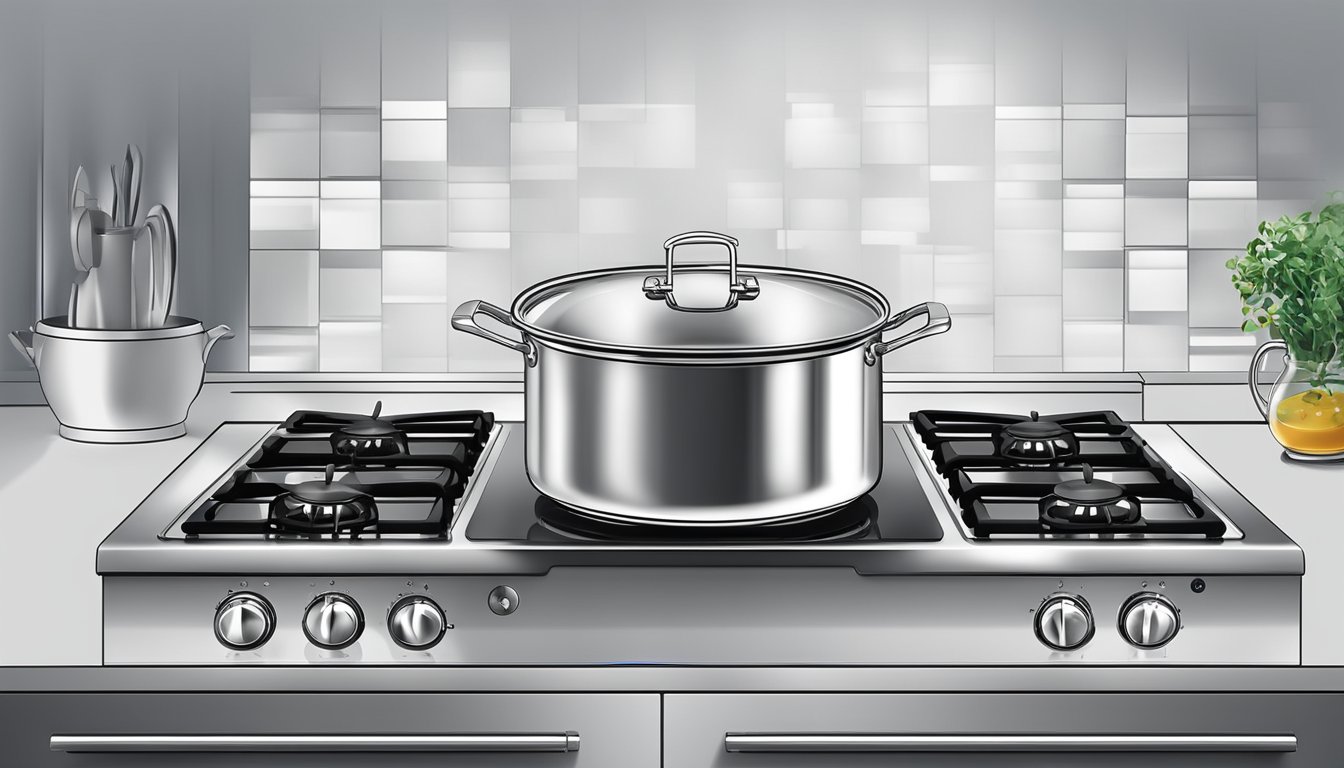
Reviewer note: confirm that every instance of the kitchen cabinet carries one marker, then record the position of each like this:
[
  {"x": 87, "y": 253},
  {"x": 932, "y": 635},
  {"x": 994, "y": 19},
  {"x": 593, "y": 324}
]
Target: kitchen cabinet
[
  {"x": 365, "y": 729},
  {"x": 831, "y": 730}
]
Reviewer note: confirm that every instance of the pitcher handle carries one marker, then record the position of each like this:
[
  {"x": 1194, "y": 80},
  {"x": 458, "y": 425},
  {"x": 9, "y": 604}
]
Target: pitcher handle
[
  {"x": 1261, "y": 401},
  {"x": 23, "y": 341}
]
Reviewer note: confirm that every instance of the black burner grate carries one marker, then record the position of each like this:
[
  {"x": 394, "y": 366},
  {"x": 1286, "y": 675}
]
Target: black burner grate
[
  {"x": 1001, "y": 496},
  {"x": 412, "y": 492}
]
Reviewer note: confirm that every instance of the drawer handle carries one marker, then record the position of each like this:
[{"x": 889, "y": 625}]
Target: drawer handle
[
  {"x": 881, "y": 742},
  {"x": 567, "y": 741}
]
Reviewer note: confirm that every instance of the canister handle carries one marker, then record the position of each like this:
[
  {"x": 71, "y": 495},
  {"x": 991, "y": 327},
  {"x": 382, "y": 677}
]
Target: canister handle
[
  {"x": 23, "y": 341},
  {"x": 464, "y": 319},
  {"x": 1261, "y": 401},
  {"x": 939, "y": 321},
  {"x": 744, "y": 288}
]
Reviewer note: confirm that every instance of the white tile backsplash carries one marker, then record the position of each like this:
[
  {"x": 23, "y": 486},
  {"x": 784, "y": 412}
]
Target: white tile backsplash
[{"x": 1068, "y": 179}]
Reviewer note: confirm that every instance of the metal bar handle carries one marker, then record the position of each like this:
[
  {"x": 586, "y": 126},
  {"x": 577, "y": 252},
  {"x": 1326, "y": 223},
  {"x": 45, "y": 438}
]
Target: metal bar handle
[
  {"x": 566, "y": 741},
  {"x": 1253, "y": 377},
  {"x": 955, "y": 742},
  {"x": 464, "y": 319},
  {"x": 939, "y": 321},
  {"x": 745, "y": 288}
]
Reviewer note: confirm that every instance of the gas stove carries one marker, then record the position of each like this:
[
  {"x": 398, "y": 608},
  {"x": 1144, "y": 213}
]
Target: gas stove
[
  {"x": 1087, "y": 474},
  {"x": 990, "y": 539}
]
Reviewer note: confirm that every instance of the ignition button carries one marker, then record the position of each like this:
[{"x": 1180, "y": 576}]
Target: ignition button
[{"x": 503, "y": 600}]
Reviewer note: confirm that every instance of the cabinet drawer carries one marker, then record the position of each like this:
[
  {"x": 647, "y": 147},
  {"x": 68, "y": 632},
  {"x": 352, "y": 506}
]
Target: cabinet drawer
[
  {"x": 261, "y": 730},
  {"x": 1003, "y": 729}
]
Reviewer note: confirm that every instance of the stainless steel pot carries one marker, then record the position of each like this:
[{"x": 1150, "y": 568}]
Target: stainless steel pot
[
  {"x": 110, "y": 386},
  {"x": 756, "y": 404}
]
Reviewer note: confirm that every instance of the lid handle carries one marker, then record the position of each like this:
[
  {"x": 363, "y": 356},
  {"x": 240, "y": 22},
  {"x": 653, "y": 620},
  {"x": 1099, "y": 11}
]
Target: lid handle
[{"x": 744, "y": 288}]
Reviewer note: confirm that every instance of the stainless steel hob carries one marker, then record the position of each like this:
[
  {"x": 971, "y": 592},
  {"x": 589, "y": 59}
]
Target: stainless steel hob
[{"x": 898, "y": 577}]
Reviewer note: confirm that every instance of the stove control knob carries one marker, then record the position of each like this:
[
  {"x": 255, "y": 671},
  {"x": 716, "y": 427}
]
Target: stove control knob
[
  {"x": 1064, "y": 622},
  {"x": 333, "y": 621},
  {"x": 416, "y": 623},
  {"x": 244, "y": 621},
  {"x": 1149, "y": 620}
]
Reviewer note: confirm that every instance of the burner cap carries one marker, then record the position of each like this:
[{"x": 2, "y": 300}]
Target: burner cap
[
  {"x": 1089, "y": 490},
  {"x": 322, "y": 507},
  {"x": 326, "y": 492},
  {"x": 1089, "y": 503},
  {"x": 369, "y": 437},
  {"x": 1035, "y": 429},
  {"x": 1037, "y": 441}
]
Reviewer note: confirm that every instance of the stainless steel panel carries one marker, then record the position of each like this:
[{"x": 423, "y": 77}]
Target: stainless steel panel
[
  {"x": 407, "y": 729},
  {"x": 1005, "y": 729},
  {"x": 722, "y": 616}
]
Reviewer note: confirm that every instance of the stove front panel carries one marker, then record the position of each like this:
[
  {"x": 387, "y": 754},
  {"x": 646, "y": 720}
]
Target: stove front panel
[{"x": 728, "y": 616}]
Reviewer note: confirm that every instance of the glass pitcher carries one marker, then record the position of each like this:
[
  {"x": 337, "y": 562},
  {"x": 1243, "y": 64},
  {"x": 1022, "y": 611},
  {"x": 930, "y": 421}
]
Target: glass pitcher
[{"x": 1305, "y": 409}]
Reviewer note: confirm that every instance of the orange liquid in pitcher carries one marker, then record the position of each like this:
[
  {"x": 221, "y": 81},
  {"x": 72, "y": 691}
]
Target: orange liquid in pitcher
[{"x": 1310, "y": 422}]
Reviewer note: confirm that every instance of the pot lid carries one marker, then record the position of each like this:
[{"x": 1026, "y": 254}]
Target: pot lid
[
  {"x": 699, "y": 310},
  {"x": 773, "y": 311}
]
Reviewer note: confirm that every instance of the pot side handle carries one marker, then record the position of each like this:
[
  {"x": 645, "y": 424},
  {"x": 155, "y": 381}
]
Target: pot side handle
[
  {"x": 213, "y": 335},
  {"x": 464, "y": 319},
  {"x": 939, "y": 321},
  {"x": 1261, "y": 401},
  {"x": 23, "y": 341}
]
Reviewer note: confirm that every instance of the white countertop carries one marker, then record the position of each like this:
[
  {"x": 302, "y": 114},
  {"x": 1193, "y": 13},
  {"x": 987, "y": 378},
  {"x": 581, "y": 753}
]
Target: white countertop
[
  {"x": 59, "y": 499},
  {"x": 1306, "y": 502}
]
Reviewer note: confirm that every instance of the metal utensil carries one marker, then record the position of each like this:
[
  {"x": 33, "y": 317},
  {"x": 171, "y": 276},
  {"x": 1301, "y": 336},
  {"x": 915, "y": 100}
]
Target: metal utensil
[
  {"x": 114, "y": 279},
  {"x": 162, "y": 267},
  {"x": 133, "y": 180},
  {"x": 116, "y": 197},
  {"x": 81, "y": 195},
  {"x": 72, "y": 312},
  {"x": 87, "y": 304},
  {"x": 81, "y": 240}
]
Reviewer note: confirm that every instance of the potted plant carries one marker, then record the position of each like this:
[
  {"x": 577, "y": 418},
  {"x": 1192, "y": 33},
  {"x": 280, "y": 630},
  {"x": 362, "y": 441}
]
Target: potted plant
[{"x": 1291, "y": 281}]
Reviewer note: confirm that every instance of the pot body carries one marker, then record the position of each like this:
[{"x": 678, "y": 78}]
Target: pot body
[
  {"x": 722, "y": 444},
  {"x": 119, "y": 386}
]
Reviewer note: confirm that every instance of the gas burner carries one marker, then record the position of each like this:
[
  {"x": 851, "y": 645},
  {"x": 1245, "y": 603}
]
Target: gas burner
[
  {"x": 1036, "y": 441},
  {"x": 1135, "y": 493},
  {"x": 1088, "y": 504},
  {"x": 850, "y": 521},
  {"x": 369, "y": 436},
  {"x": 317, "y": 507}
]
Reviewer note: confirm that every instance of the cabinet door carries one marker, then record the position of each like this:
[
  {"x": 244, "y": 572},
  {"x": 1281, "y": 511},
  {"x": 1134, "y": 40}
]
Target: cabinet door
[
  {"x": 999, "y": 730},
  {"x": 266, "y": 730}
]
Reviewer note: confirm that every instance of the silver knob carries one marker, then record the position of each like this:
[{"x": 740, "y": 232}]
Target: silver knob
[
  {"x": 333, "y": 621},
  {"x": 1064, "y": 622},
  {"x": 416, "y": 622},
  {"x": 244, "y": 621},
  {"x": 1149, "y": 620}
]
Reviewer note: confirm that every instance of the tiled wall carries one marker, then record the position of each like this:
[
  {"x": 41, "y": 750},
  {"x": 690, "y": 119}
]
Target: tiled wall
[{"x": 1067, "y": 177}]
